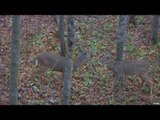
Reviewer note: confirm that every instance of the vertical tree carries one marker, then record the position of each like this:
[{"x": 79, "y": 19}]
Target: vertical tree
[
  {"x": 121, "y": 37},
  {"x": 120, "y": 45},
  {"x": 69, "y": 61},
  {"x": 155, "y": 26},
  {"x": 61, "y": 34},
  {"x": 14, "y": 66}
]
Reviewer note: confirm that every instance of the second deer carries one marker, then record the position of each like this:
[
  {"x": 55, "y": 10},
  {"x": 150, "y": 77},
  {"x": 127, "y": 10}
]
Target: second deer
[{"x": 123, "y": 68}]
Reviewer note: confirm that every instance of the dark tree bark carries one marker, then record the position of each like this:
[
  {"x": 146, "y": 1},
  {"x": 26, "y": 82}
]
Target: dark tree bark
[
  {"x": 121, "y": 37},
  {"x": 69, "y": 62},
  {"x": 132, "y": 19},
  {"x": 14, "y": 66},
  {"x": 120, "y": 45},
  {"x": 155, "y": 26},
  {"x": 61, "y": 34}
]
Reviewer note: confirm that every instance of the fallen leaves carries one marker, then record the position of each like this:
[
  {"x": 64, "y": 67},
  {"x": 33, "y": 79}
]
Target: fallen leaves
[{"x": 98, "y": 33}]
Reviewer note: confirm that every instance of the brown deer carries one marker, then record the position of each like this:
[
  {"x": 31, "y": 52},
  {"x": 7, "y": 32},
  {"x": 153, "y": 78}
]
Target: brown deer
[
  {"x": 123, "y": 68},
  {"x": 55, "y": 62}
]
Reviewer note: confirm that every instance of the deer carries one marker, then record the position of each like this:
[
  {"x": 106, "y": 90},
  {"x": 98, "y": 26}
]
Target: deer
[
  {"x": 55, "y": 62},
  {"x": 140, "y": 68}
]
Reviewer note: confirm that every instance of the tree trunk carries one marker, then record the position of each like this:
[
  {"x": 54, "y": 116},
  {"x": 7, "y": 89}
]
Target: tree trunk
[
  {"x": 61, "y": 34},
  {"x": 120, "y": 45},
  {"x": 121, "y": 37},
  {"x": 155, "y": 26},
  {"x": 14, "y": 66},
  {"x": 69, "y": 62}
]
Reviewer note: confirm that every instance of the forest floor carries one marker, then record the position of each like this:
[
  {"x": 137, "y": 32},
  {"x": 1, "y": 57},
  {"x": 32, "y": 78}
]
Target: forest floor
[{"x": 98, "y": 35}]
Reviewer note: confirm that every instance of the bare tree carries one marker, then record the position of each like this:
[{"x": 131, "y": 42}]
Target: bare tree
[
  {"x": 120, "y": 45},
  {"x": 69, "y": 61},
  {"x": 14, "y": 66},
  {"x": 61, "y": 34},
  {"x": 121, "y": 37},
  {"x": 155, "y": 26}
]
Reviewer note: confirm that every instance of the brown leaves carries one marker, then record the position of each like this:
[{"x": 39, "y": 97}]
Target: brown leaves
[{"x": 101, "y": 29}]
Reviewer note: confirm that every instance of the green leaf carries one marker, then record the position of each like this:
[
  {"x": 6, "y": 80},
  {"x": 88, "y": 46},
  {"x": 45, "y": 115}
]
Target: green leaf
[
  {"x": 86, "y": 82},
  {"x": 41, "y": 36},
  {"x": 49, "y": 72},
  {"x": 129, "y": 48},
  {"x": 142, "y": 53},
  {"x": 128, "y": 36},
  {"x": 108, "y": 27},
  {"x": 37, "y": 40},
  {"x": 158, "y": 43},
  {"x": 87, "y": 77},
  {"x": 145, "y": 89},
  {"x": 111, "y": 102}
]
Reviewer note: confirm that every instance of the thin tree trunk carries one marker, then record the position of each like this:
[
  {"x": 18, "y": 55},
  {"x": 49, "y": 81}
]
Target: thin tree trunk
[
  {"x": 155, "y": 26},
  {"x": 120, "y": 45},
  {"x": 14, "y": 66},
  {"x": 69, "y": 62},
  {"x": 61, "y": 34},
  {"x": 121, "y": 37}
]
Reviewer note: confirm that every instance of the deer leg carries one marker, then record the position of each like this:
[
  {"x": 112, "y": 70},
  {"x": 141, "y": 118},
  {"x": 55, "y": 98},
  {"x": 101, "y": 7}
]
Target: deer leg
[
  {"x": 113, "y": 83},
  {"x": 119, "y": 78},
  {"x": 42, "y": 70},
  {"x": 151, "y": 89},
  {"x": 145, "y": 79}
]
